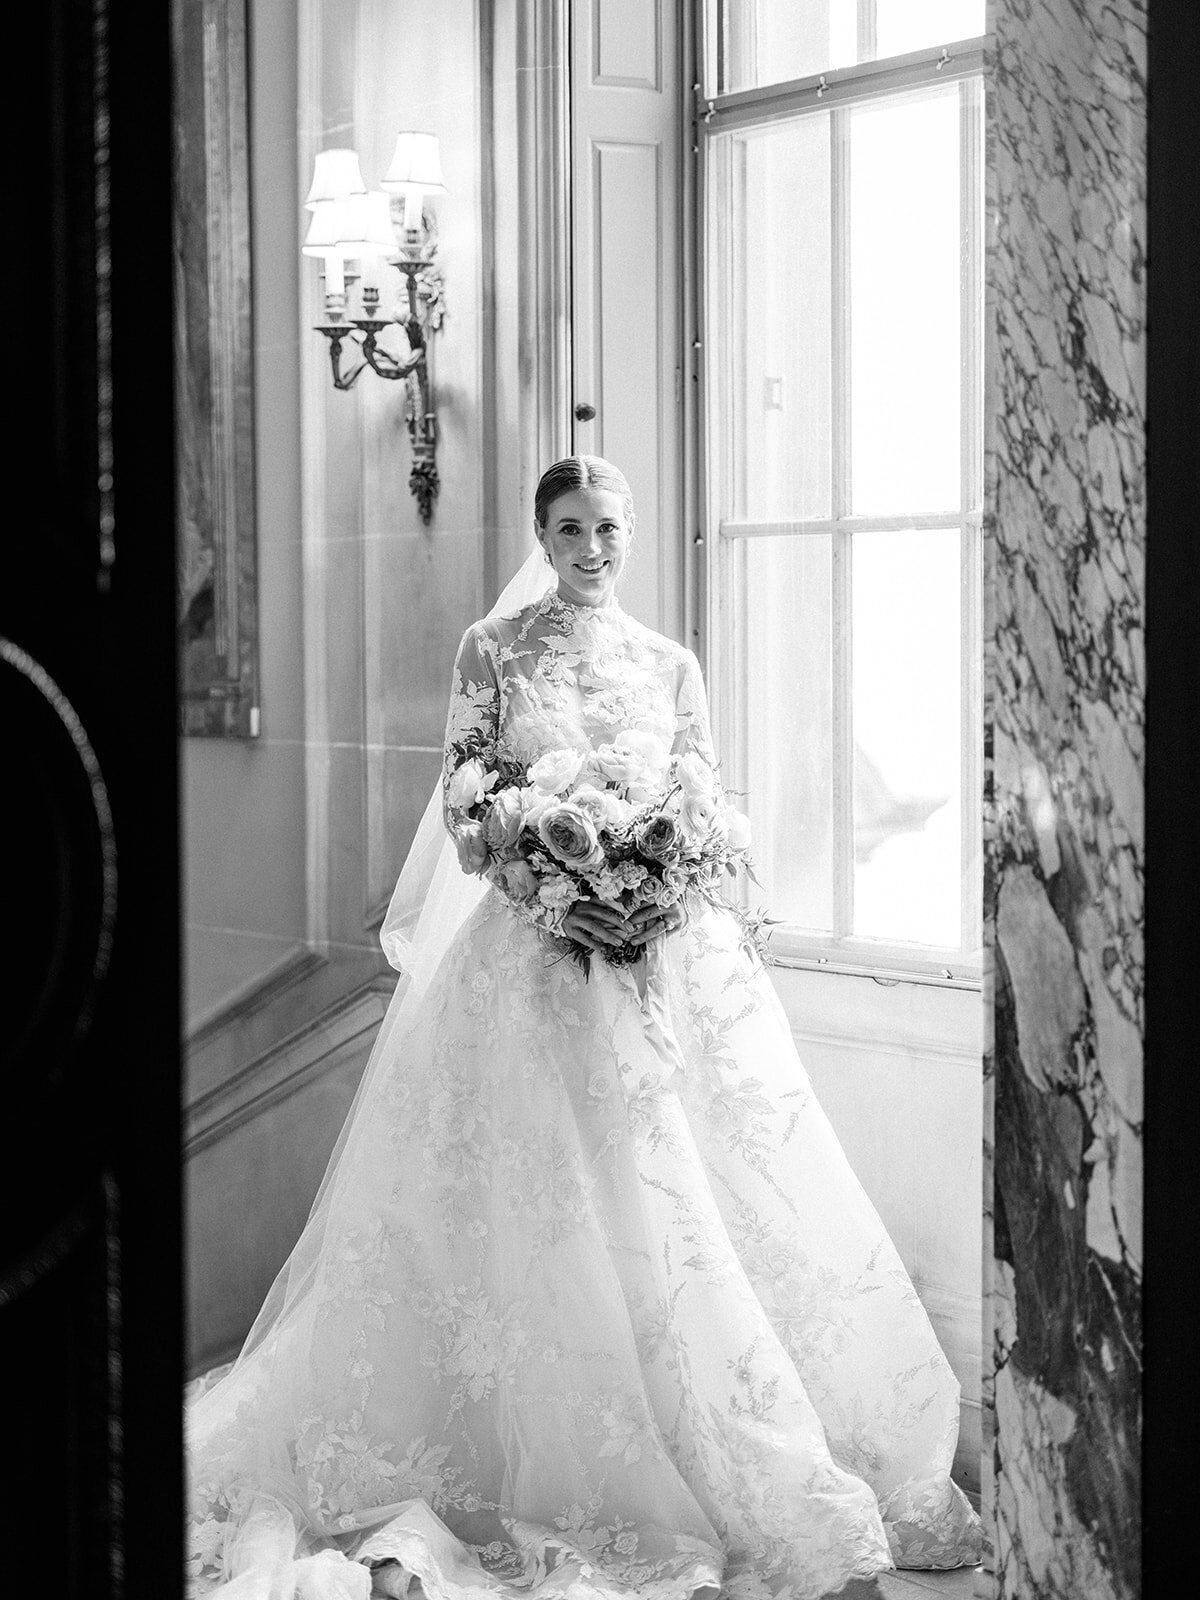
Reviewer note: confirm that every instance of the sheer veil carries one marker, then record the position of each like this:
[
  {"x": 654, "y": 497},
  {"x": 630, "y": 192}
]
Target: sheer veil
[
  {"x": 432, "y": 899},
  {"x": 433, "y": 896}
]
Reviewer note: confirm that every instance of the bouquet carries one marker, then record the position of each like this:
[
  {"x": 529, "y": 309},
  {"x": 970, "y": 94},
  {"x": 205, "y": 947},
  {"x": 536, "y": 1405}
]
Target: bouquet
[{"x": 628, "y": 824}]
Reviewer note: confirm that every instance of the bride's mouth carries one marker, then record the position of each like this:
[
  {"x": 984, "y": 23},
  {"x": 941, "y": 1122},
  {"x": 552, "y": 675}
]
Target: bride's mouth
[{"x": 590, "y": 571}]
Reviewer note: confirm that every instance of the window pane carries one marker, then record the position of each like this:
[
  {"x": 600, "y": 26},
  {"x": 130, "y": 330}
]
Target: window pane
[
  {"x": 787, "y": 700},
  {"x": 774, "y": 41},
  {"x": 907, "y": 736},
  {"x": 778, "y": 322},
  {"x": 904, "y": 25},
  {"x": 904, "y": 305}
]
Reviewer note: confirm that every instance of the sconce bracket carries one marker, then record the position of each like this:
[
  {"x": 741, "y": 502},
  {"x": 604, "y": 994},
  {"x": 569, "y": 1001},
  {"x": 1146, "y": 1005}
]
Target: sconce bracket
[{"x": 422, "y": 316}]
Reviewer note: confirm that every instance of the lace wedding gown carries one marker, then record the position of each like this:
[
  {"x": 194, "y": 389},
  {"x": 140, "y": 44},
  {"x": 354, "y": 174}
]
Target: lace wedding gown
[{"x": 593, "y": 1301}]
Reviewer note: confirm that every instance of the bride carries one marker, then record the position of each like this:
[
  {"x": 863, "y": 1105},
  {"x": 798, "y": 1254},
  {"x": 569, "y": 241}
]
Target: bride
[{"x": 590, "y": 1299}]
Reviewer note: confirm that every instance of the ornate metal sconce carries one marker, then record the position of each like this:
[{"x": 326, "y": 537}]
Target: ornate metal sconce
[{"x": 351, "y": 224}]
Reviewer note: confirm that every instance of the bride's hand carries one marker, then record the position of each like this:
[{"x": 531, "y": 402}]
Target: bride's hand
[
  {"x": 594, "y": 925},
  {"x": 649, "y": 922}
]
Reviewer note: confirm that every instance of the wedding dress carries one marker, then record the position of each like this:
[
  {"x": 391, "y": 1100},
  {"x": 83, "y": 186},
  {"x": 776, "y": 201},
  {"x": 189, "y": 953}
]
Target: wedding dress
[{"x": 591, "y": 1301}]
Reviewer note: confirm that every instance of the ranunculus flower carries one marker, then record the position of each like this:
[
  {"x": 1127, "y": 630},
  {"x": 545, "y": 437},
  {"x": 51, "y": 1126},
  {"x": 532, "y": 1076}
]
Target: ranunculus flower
[
  {"x": 739, "y": 828},
  {"x": 468, "y": 784},
  {"x": 604, "y": 806},
  {"x": 505, "y": 819},
  {"x": 518, "y": 879},
  {"x": 698, "y": 814},
  {"x": 556, "y": 771},
  {"x": 658, "y": 837},
  {"x": 570, "y": 835},
  {"x": 693, "y": 774},
  {"x": 472, "y": 850}
]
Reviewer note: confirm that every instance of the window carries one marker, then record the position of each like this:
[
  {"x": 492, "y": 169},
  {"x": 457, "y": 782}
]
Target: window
[{"x": 842, "y": 329}]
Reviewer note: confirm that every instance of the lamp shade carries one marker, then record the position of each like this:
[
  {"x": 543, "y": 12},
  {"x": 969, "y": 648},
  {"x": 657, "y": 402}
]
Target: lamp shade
[
  {"x": 336, "y": 176},
  {"x": 331, "y": 221},
  {"x": 366, "y": 226},
  {"x": 416, "y": 164}
]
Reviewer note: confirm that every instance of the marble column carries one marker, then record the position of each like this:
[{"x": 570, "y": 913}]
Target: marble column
[{"x": 1065, "y": 522}]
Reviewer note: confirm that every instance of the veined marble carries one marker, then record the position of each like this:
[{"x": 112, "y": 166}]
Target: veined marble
[{"x": 1065, "y": 514}]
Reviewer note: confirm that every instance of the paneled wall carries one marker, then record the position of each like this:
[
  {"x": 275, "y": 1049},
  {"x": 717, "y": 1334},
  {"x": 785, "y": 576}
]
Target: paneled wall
[
  {"x": 1065, "y": 520},
  {"x": 244, "y": 800}
]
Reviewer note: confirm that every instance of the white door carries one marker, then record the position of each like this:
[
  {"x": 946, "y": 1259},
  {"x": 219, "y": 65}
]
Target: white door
[{"x": 626, "y": 313}]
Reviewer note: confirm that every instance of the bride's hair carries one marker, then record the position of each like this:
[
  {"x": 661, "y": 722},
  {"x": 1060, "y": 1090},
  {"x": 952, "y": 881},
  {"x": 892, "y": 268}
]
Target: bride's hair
[{"x": 579, "y": 472}]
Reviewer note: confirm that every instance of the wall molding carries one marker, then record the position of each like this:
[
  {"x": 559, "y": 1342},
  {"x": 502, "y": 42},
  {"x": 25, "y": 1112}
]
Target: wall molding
[
  {"x": 252, "y": 997},
  {"x": 288, "y": 1066},
  {"x": 544, "y": 204}
]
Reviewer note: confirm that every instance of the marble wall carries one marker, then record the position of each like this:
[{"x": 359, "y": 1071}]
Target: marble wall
[{"x": 1065, "y": 519}]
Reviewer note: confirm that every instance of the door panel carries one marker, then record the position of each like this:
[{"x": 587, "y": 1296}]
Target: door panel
[{"x": 626, "y": 312}]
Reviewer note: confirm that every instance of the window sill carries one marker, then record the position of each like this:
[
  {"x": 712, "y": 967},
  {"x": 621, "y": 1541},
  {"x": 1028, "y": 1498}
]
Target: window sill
[{"x": 888, "y": 965}]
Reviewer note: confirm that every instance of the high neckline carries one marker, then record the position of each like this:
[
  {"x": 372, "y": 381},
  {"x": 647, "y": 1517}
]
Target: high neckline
[{"x": 568, "y": 614}]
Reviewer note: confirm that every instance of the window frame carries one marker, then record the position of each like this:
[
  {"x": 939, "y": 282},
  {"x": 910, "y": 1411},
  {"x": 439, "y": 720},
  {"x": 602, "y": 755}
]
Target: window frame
[{"x": 838, "y": 91}]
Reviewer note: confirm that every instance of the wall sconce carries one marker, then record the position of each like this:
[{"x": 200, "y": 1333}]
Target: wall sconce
[{"x": 352, "y": 224}]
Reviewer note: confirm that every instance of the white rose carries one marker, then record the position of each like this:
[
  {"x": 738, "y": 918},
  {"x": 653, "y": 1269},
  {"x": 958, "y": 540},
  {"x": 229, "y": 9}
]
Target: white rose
[
  {"x": 618, "y": 764},
  {"x": 604, "y": 806},
  {"x": 654, "y": 753},
  {"x": 467, "y": 785},
  {"x": 533, "y": 803},
  {"x": 556, "y": 771}
]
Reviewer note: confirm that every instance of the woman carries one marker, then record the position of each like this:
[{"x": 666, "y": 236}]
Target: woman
[{"x": 589, "y": 1295}]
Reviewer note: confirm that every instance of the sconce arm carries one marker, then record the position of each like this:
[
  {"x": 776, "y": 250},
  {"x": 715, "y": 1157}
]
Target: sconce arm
[
  {"x": 385, "y": 365},
  {"x": 337, "y": 336}
]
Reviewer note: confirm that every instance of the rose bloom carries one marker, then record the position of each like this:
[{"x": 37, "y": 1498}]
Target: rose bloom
[
  {"x": 472, "y": 851},
  {"x": 658, "y": 837},
  {"x": 570, "y": 835},
  {"x": 739, "y": 828},
  {"x": 518, "y": 879},
  {"x": 556, "y": 771},
  {"x": 604, "y": 806},
  {"x": 654, "y": 753},
  {"x": 618, "y": 764},
  {"x": 693, "y": 774},
  {"x": 468, "y": 784},
  {"x": 533, "y": 803},
  {"x": 504, "y": 820}
]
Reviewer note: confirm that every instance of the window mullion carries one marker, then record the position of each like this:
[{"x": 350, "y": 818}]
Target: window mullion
[
  {"x": 866, "y": 29},
  {"x": 970, "y": 186},
  {"x": 843, "y": 710}
]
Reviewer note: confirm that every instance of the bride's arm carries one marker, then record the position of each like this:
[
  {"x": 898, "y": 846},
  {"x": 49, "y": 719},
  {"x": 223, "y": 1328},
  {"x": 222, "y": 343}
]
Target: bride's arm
[
  {"x": 693, "y": 735},
  {"x": 472, "y": 729}
]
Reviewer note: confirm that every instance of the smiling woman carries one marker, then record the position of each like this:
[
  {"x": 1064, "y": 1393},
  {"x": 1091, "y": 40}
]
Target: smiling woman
[{"x": 584, "y": 522}]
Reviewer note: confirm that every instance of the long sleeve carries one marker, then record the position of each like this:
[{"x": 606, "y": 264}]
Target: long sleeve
[
  {"x": 693, "y": 735},
  {"x": 473, "y": 720},
  {"x": 472, "y": 735}
]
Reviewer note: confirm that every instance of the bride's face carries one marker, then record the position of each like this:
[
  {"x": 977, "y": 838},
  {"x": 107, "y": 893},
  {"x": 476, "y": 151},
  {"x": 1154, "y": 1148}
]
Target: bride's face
[{"x": 587, "y": 539}]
